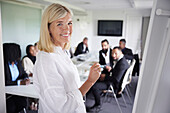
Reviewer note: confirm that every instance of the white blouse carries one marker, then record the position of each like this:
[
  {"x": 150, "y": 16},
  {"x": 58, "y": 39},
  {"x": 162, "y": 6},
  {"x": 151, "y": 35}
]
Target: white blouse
[
  {"x": 57, "y": 81},
  {"x": 28, "y": 65}
]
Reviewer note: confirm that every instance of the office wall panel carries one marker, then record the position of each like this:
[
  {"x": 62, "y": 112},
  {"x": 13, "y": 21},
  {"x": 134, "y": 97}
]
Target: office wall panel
[{"x": 20, "y": 24}]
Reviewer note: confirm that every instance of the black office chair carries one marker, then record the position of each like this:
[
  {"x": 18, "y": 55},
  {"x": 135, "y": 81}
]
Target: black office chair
[
  {"x": 137, "y": 65},
  {"x": 12, "y": 53}
]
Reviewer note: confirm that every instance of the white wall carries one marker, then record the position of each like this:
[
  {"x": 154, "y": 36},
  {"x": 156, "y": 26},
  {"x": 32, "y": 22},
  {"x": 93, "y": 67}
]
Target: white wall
[
  {"x": 20, "y": 24},
  {"x": 144, "y": 32},
  {"x": 82, "y": 27},
  {"x": 133, "y": 33},
  {"x": 132, "y": 23},
  {"x": 106, "y": 15},
  {"x": 24, "y": 29},
  {"x": 87, "y": 26},
  {"x": 2, "y": 81}
]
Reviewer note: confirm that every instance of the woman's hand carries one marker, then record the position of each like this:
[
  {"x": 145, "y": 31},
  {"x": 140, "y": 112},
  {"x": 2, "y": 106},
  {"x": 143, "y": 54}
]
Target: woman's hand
[{"x": 94, "y": 74}]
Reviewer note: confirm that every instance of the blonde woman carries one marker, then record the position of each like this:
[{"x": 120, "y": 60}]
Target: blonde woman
[{"x": 55, "y": 76}]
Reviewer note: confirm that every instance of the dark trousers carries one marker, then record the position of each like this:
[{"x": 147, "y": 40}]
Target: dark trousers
[
  {"x": 15, "y": 103},
  {"x": 97, "y": 89},
  {"x": 99, "y": 86}
]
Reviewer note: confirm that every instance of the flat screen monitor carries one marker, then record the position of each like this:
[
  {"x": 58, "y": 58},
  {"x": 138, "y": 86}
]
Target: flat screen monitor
[{"x": 110, "y": 27}]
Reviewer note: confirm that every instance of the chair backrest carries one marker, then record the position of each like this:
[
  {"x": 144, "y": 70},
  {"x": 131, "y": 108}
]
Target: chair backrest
[
  {"x": 132, "y": 65},
  {"x": 128, "y": 75},
  {"x": 12, "y": 52}
]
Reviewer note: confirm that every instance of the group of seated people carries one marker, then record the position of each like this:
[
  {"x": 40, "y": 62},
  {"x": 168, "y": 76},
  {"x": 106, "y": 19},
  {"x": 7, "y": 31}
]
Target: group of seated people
[
  {"x": 115, "y": 63},
  {"x": 17, "y": 72}
]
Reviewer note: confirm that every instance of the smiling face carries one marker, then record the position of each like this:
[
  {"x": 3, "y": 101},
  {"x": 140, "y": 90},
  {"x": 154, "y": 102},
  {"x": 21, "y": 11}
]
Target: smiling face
[
  {"x": 105, "y": 45},
  {"x": 61, "y": 30},
  {"x": 116, "y": 53},
  {"x": 32, "y": 51}
]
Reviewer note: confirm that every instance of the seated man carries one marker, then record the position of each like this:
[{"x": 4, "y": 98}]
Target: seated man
[
  {"x": 126, "y": 51},
  {"x": 120, "y": 65},
  {"x": 105, "y": 57},
  {"x": 14, "y": 75},
  {"x": 82, "y": 47},
  {"x": 117, "y": 73}
]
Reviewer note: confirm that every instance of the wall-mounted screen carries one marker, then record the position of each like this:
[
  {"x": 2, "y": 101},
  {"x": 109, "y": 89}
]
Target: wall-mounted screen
[{"x": 110, "y": 27}]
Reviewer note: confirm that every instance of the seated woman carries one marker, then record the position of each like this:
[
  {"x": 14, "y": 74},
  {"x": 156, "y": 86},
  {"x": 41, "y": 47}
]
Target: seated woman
[
  {"x": 28, "y": 64},
  {"x": 29, "y": 60}
]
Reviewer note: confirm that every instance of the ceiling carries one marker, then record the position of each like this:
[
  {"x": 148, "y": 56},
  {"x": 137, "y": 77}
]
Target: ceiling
[
  {"x": 103, "y": 4},
  {"x": 79, "y": 6},
  {"x": 99, "y": 4}
]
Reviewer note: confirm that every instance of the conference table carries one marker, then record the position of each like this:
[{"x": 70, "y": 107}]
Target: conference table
[
  {"x": 83, "y": 63},
  {"x": 22, "y": 90}
]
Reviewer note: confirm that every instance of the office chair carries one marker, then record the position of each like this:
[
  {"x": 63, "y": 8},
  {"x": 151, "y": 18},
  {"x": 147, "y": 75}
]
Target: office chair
[
  {"x": 132, "y": 65},
  {"x": 126, "y": 80},
  {"x": 12, "y": 53},
  {"x": 23, "y": 111}
]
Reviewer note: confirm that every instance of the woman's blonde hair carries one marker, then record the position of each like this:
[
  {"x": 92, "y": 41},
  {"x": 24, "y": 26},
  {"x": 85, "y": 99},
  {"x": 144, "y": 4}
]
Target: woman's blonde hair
[{"x": 52, "y": 13}]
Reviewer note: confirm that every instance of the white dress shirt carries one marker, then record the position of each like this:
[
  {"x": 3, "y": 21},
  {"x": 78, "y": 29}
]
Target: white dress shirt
[
  {"x": 57, "y": 81},
  {"x": 115, "y": 62},
  {"x": 107, "y": 57},
  {"x": 28, "y": 65},
  {"x": 84, "y": 47},
  {"x": 14, "y": 71}
]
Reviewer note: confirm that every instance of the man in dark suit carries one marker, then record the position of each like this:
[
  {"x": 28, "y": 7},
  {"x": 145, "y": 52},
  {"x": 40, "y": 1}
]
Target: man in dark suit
[
  {"x": 118, "y": 71},
  {"x": 82, "y": 47},
  {"x": 105, "y": 57},
  {"x": 120, "y": 65},
  {"x": 126, "y": 51}
]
